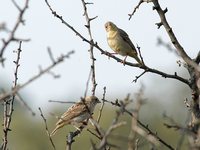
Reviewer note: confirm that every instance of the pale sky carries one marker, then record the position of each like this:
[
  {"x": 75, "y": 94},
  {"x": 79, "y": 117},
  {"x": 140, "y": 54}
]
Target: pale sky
[{"x": 45, "y": 30}]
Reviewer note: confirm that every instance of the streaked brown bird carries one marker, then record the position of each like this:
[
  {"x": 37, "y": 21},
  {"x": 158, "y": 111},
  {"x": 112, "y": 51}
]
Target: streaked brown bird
[{"x": 77, "y": 114}]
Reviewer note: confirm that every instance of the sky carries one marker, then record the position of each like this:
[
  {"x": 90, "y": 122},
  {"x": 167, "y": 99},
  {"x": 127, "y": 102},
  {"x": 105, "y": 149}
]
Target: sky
[{"x": 45, "y": 30}]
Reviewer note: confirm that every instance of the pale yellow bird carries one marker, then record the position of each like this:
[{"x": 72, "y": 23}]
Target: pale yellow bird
[
  {"x": 77, "y": 114},
  {"x": 120, "y": 43}
]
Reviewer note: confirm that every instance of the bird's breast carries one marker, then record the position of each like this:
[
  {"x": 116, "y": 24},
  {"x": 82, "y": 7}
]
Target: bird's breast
[
  {"x": 113, "y": 42},
  {"x": 81, "y": 117}
]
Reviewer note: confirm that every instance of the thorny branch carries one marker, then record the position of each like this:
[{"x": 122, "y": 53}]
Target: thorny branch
[
  {"x": 12, "y": 36},
  {"x": 60, "y": 59},
  {"x": 192, "y": 67},
  {"x": 122, "y": 107},
  {"x": 9, "y": 105},
  {"x": 137, "y": 7},
  {"x": 172, "y": 36},
  {"x": 148, "y": 69},
  {"x": 91, "y": 50}
]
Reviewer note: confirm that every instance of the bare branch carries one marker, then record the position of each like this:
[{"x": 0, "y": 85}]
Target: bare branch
[
  {"x": 9, "y": 105},
  {"x": 13, "y": 31},
  {"x": 104, "y": 143},
  {"x": 172, "y": 36},
  {"x": 47, "y": 130},
  {"x": 148, "y": 69},
  {"x": 88, "y": 20},
  {"x": 62, "y": 102},
  {"x": 42, "y": 72},
  {"x": 23, "y": 103},
  {"x": 102, "y": 105},
  {"x": 70, "y": 138},
  {"x": 137, "y": 7},
  {"x": 116, "y": 103}
]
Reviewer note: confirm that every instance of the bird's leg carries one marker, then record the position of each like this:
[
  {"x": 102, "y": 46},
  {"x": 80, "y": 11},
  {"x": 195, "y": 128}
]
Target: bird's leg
[{"x": 124, "y": 60}]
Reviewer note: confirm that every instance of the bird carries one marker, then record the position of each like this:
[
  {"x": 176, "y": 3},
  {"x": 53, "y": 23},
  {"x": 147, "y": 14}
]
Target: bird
[
  {"x": 78, "y": 114},
  {"x": 120, "y": 43}
]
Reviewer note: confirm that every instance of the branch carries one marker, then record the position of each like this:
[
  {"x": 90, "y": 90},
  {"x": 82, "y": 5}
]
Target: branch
[
  {"x": 70, "y": 138},
  {"x": 148, "y": 69},
  {"x": 91, "y": 50},
  {"x": 47, "y": 130},
  {"x": 116, "y": 103},
  {"x": 172, "y": 36},
  {"x": 102, "y": 105},
  {"x": 60, "y": 59},
  {"x": 137, "y": 7},
  {"x": 115, "y": 124},
  {"x": 23, "y": 103},
  {"x": 13, "y": 31},
  {"x": 9, "y": 105}
]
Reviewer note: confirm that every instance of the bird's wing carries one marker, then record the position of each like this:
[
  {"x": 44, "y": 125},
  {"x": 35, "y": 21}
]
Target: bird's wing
[
  {"x": 74, "y": 111},
  {"x": 126, "y": 38}
]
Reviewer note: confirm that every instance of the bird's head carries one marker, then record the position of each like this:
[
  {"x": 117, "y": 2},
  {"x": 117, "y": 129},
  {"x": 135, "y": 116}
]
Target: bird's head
[
  {"x": 109, "y": 26},
  {"x": 92, "y": 99}
]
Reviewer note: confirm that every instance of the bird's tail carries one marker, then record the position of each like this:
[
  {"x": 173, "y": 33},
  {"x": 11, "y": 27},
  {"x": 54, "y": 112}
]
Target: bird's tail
[
  {"x": 56, "y": 129},
  {"x": 135, "y": 56},
  {"x": 138, "y": 60}
]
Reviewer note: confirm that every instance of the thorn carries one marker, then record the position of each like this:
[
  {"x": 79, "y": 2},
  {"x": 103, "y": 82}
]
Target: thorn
[
  {"x": 165, "y": 10},
  {"x": 155, "y": 7},
  {"x": 87, "y": 26},
  {"x": 159, "y": 24}
]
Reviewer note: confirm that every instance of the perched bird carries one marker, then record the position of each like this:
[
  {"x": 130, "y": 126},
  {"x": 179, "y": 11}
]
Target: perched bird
[
  {"x": 120, "y": 43},
  {"x": 77, "y": 114}
]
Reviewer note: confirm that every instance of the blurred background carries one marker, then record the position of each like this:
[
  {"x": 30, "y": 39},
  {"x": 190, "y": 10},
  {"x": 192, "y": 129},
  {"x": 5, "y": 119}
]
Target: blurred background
[{"x": 44, "y": 30}]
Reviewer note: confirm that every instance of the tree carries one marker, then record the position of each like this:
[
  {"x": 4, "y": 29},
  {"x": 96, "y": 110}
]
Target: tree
[{"x": 137, "y": 126}]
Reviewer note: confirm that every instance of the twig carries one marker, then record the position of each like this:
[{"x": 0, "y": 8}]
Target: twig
[
  {"x": 50, "y": 54},
  {"x": 102, "y": 105},
  {"x": 87, "y": 83},
  {"x": 137, "y": 77},
  {"x": 114, "y": 125},
  {"x": 172, "y": 36},
  {"x": 96, "y": 135},
  {"x": 116, "y": 103},
  {"x": 13, "y": 31},
  {"x": 136, "y": 7},
  {"x": 134, "y": 126},
  {"x": 20, "y": 99},
  {"x": 9, "y": 105},
  {"x": 42, "y": 72},
  {"x": 88, "y": 20},
  {"x": 62, "y": 102},
  {"x": 47, "y": 130},
  {"x": 148, "y": 69},
  {"x": 140, "y": 54}
]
